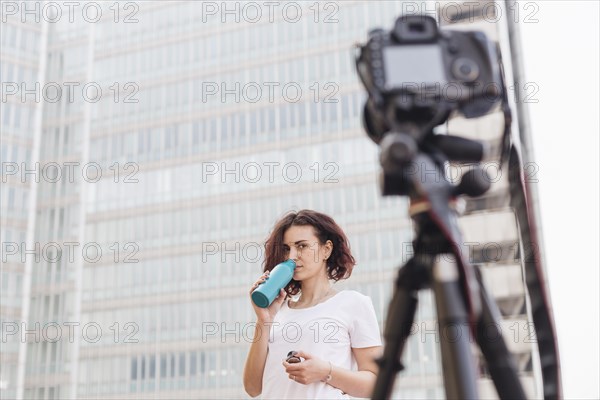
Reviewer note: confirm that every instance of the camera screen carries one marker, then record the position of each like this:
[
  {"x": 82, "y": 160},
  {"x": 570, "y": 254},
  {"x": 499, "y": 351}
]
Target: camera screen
[{"x": 414, "y": 64}]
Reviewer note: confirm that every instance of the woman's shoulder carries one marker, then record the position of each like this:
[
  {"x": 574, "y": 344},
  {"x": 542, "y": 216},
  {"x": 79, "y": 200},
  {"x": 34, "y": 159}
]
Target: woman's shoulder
[{"x": 353, "y": 295}]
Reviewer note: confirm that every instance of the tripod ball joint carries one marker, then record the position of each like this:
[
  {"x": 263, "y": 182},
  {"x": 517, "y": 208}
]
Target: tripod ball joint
[
  {"x": 473, "y": 183},
  {"x": 397, "y": 150}
]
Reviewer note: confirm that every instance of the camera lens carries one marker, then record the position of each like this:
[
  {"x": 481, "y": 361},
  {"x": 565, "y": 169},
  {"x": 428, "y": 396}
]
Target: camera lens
[{"x": 465, "y": 69}]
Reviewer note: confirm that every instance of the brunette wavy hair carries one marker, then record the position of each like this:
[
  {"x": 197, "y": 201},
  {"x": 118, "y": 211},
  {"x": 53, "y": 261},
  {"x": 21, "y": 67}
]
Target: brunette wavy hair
[{"x": 339, "y": 264}]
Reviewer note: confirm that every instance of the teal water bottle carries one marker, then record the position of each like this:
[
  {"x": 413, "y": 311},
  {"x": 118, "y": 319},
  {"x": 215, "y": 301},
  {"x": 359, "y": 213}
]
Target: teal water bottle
[{"x": 279, "y": 277}]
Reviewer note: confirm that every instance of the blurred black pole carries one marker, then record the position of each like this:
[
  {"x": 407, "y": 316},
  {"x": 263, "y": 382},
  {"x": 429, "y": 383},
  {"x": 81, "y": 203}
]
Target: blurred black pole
[{"x": 524, "y": 199}]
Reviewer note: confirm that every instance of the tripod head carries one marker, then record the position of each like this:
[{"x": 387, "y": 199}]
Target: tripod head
[{"x": 416, "y": 76}]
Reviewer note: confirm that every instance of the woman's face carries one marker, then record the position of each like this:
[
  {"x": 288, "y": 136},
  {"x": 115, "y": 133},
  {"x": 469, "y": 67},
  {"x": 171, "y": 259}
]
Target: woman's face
[{"x": 302, "y": 245}]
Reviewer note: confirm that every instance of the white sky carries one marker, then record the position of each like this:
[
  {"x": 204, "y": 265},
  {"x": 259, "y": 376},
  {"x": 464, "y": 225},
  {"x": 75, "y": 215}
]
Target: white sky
[{"x": 561, "y": 57}]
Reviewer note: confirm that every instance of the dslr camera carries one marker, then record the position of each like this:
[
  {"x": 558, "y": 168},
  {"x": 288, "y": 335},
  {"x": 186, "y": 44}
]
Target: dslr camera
[{"x": 416, "y": 75}]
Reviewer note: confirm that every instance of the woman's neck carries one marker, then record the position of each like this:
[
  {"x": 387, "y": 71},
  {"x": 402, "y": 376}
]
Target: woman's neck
[{"x": 314, "y": 292}]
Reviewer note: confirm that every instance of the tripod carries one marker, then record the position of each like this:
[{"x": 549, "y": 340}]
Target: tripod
[{"x": 464, "y": 309}]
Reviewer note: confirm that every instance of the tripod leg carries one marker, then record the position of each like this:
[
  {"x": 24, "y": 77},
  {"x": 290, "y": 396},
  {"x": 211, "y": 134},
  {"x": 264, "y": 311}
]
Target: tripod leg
[
  {"x": 401, "y": 314},
  {"x": 458, "y": 362},
  {"x": 500, "y": 362}
]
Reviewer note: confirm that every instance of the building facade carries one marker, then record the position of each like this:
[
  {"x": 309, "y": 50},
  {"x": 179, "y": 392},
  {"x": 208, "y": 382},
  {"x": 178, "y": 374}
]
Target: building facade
[{"x": 170, "y": 137}]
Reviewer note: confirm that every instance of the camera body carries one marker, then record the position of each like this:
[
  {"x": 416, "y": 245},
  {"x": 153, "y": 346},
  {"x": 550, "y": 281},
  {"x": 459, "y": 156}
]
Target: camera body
[{"x": 422, "y": 74}]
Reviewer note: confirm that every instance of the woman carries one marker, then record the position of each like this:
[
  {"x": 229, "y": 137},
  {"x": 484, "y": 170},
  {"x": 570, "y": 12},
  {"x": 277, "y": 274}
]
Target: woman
[{"x": 335, "y": 334}]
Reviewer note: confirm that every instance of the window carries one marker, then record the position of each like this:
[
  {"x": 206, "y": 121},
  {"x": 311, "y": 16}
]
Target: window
[
  {"x": 202, "y": 362},
  {"x": 141, "y": 143},
  {"x": 345, "y": 112},
  {"x": 253, "y": 126},
  {"x": 314, "y": 114},
  {"x": 152, "y": 366},
  {"x": 292, "y": 112},
  {"x": 182, "y": 364},
  {"x": 163, "y": 366},
  {"x": 301, "y": 114},
  {"x": 213, "y": 133},
  {"x": 196, "y": 134},
  {"x": 225, "y": 132},
  {"x": 271, "y": 117},
  {"x": 193, "y": 362},
  {"x": 283, "y": 119},
  {"x": 242, "y": 130}
]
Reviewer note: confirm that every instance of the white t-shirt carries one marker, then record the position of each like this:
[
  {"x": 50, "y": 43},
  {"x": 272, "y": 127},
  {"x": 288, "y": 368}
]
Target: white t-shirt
[{"x": 329, "y": 331}]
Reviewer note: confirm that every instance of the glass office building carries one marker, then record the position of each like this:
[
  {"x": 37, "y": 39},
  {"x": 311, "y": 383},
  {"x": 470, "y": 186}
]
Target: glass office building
[
  {"x": 171, "y": 136},
  {"x": 21, "y": 46}
]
